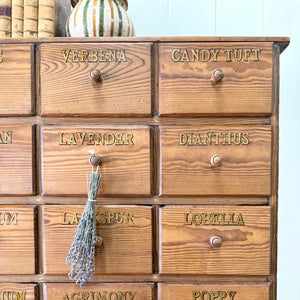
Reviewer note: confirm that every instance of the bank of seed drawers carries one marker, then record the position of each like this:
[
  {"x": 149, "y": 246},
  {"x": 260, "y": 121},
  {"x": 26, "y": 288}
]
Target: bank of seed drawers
[{"x": 187, "y": 207}]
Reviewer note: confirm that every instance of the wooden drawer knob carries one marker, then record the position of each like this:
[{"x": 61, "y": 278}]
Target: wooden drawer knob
[
  {"x": 216, "y": 160},
  {"x": 99, "y": 242},
  {"x": 95, "y": 160},
  {"x": 217, "y": 75},
  {"x": 216, "y": 241},
  {"x": 96, "y": 75}
]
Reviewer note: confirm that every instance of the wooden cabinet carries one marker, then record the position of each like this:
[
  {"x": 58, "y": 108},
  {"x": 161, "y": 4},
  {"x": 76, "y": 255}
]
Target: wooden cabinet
[{"x": 187, "y": 131}]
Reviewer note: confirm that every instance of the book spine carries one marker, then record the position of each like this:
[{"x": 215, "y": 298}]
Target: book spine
[
  {"x": 17, "y": 18},
  {"x": 46, "y": 20},
  {"x": 5, "y": 18},
  {"x": 30, "y": 18}
]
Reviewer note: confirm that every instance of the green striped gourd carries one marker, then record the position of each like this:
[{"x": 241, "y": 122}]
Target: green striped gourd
[{"x": 91, "y": 18}]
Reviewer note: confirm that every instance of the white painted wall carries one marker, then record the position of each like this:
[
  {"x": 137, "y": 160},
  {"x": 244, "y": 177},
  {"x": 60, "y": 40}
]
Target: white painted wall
[{"x": 250, "y": 18}]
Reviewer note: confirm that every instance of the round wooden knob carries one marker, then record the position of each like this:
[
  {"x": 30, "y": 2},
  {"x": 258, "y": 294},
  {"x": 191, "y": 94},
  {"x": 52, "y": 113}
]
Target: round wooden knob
[
  {"x": 95, "y": 74},
  {"x": 95, "y": 160},
  {"x": 216, "y": 241},
  {"x": 216, "y": 160},
  {"x": 99, "y": 242},
  {"x": 217, "y": 75}
]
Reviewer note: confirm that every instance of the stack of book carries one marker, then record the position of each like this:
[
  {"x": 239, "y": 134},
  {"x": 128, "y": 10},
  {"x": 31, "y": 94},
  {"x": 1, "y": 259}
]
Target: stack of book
[{"x": 27, "y": 18}]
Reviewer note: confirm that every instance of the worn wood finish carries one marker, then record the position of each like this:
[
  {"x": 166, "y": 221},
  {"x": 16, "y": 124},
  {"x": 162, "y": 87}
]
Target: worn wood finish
[
  {"x": 18, "y": 291},
  {"x": 125, "y": 157},
  {"x": 17, "y": 236},
  {"x": 185, "y": 234},
  {"x": 16, "y": 77},
  {"x": 126, "y": 232},
  {"x": 103, "y": 291},
  {"x": 16, "y": 160},
  {"x": 249, "y": 291},
  {"x": 67, "y": 89},
  {"x": 186, "y": 88},
  {"x": 186, "y": 168}
]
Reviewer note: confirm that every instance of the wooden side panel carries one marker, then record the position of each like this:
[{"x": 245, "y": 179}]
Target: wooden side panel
[
  {"x": 16, "y": 160},
  {"x": 126, "y": 232},
  {"x": 232, "y": 291},
  {"x": 17, "y": 240},
  {"x": 186, "y": 154},
  {"x": 16, "y": 74},
  {"x": 186, "y": 88},
  {"x": 125, "y": 153},
  {"x": 18, "y": 291},
  {"x": 126, "y": 291},
  {"x": 186, "y": 231},
  {"x": 67, "y": 89}
]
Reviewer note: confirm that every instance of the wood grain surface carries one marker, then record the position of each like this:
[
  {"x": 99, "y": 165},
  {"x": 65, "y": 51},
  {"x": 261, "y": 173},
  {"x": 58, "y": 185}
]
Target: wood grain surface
[
  {"x": 18, "y": 291},
  {"x": 17, "y": 236},
  {"x": 234, "y": 291},
  {"x": 66, "y": 88},
  {"x": 186, "y": 170},
  {"x": 126, "y": 232},
  {"x": 16, "y": 77},
  {"x": 185, "y": 240},
  {"x": 16, "y": 160},
  {"x": 125, "y": 167},
  {"x": 185, "y": 87},
  {"x": 105, "y": 291}
]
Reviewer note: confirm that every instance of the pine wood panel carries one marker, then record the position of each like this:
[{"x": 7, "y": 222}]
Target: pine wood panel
[
  {"x": 16, "y": 160},
  {"x": 185, "y": 233},
  {"x": 185, "y": 86},
  {"x": 232, "y": 291},
  {"x": 66, "y": 88},
  {"x": 125, "y": 156},
  {"x": 105, "y": 291},
  {"x": 18, "y": 291},
  {"x": 126, "y": 233},
  {"x": 17, "y": 236},
  {"x": 16, "y": 77},
  {"x": 186, "y": 153}
]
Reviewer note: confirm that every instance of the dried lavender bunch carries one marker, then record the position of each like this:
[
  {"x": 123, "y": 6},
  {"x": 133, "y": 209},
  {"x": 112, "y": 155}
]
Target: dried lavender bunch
[{"x": 82, "y": 252}]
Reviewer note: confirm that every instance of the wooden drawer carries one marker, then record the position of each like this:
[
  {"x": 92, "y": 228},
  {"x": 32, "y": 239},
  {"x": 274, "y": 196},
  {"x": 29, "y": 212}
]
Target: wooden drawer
[
  {"x": 16, "y": 160},
  {"x": 18, "y": 291},
  {"x": 125, "y": 153},
  {"x": 67, "y": 89},
  {"x": 186, "y": 88},
  {"x": 186, "y": 154},
  {"x": 16, "y": 77},
  {"x": 215, "y": 240},
  {"x": 105, "y": 291},
  {"x": 17, "y": 240},
  {"x": 213, "y": 291},
  {"x": 126, "y": 232}
]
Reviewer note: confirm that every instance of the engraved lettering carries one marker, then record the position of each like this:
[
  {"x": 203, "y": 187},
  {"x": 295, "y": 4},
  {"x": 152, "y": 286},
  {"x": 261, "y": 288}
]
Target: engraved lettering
[
  {"x": 228, "y": 52},
  {"x": 6, "y": 137},
  {"x": 1, "y": 57},
  {"x": 213, "y": 295},
  {"x": 256, "y": 53},
  {"x": 97, "y": 295},
  {"x": 177, "y": 57},
  {"x": 186, "y": 219},
  {"x": 215, "y": 53},
  {"x": 66, "y": 54},
  {"x": 9, "y": 218},
  {"x": 182, "y": 139},
  {"x": 12, "y": 295},
  {"x": 247, "y": 54},
  {"x": 21, "y": 297},
  {"x": 205, "y": 55},
  {"x": 245, "y": 138}
]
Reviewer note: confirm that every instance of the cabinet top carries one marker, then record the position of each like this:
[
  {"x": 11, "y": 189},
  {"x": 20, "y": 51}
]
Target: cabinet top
[{"x": 282, "y": 41}]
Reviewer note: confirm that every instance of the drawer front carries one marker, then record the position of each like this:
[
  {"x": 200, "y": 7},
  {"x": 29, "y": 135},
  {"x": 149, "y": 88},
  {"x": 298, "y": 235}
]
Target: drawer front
[
  {"x": 125, "y": 153},
  {"x": 186, "y": 88},
  {"x": 126, "y": 232},
  {"x": 105, "y": 291},
  {"x": 190, "y": 156},
  {"x": 124, "y": 87},
  {"x": 215, "y": 240},
  {"x": 213, "y": 291},
  {"x": 16, "y": 160},
  {"x": 17, "y": 240},
  {"x": 18, "y": 291},
  {"x": 16, "y": 77}
]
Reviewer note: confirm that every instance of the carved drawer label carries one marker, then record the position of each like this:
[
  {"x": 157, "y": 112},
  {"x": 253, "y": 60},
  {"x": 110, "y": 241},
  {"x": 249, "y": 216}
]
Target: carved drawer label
[
  {"x": 215, "y": 160},
  {"x": 215, "y": 240},
  {"x": 126, "y": 232},
  {"x": 125, "y": 154},
  {"x": 215, "y": 78},
  {"x": 96, "y": 79},
  {"x": 18, "y": 291},
  {"x": 17, "y": 240},
  {"x": 16, "y": 160}
]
